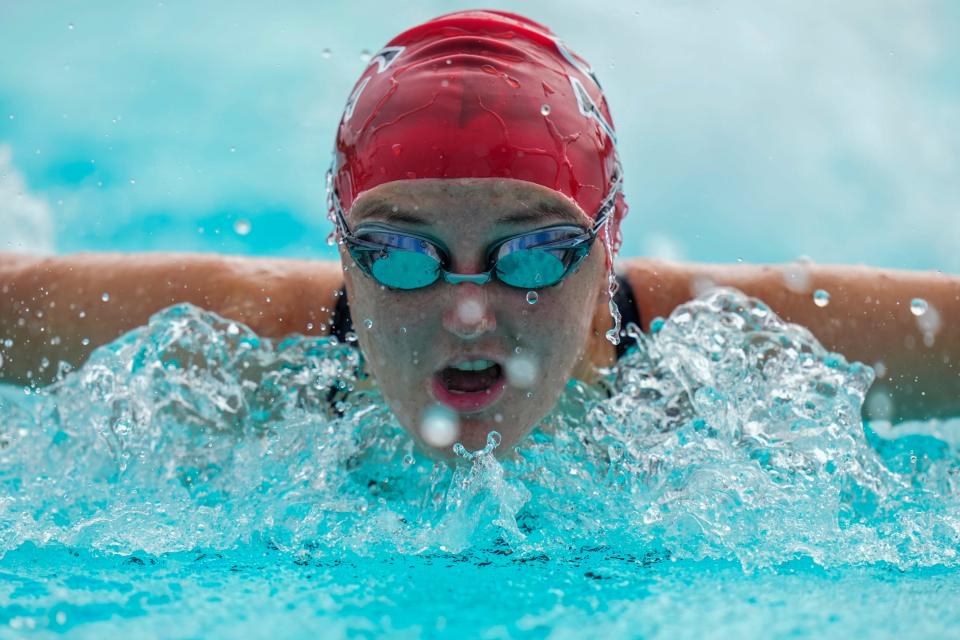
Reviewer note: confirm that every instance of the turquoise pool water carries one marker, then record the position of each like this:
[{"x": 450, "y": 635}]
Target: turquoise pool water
[{"x": 193, "y": 480}]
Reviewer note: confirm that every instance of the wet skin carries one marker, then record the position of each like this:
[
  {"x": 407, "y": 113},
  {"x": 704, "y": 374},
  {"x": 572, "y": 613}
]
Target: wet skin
[{"x": 415, "y": 334}]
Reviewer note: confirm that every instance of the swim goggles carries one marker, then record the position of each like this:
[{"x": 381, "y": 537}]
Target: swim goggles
[{"x": 530, "y": 260}]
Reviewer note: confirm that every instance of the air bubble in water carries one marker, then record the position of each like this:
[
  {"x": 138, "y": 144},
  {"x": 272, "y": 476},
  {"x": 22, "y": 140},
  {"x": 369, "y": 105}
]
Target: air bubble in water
[
  {"x": 326, "y": 53},
  {"x": 918, "y": 306},
  {"x": 368, "y": 323},
  {"x": 105, "y": 297},
  {"x": 821, "y": 298},
  {"x": 545, "y": 110},
  {"x": 242, "y": 227},
  {"x": 233, "y": 329},
  {"x": 439, "y": 426},
  {"x": 365, "y": 56},
  {"x": 70, "y": 26},
  {"x": 532, "y": 297},
  {"x": 522, "y": 371}
]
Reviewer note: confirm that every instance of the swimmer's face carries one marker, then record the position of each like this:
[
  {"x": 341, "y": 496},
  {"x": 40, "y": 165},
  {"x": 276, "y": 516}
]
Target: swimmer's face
[{"x": 420, "y": 344}]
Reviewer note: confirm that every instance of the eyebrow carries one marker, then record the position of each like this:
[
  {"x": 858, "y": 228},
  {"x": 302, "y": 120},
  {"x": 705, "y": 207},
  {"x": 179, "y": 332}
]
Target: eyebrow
[{"x": 534, "y": 213}]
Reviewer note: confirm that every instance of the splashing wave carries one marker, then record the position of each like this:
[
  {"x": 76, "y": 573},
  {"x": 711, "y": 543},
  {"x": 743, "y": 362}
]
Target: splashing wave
[{"x": 727, "y": 434}]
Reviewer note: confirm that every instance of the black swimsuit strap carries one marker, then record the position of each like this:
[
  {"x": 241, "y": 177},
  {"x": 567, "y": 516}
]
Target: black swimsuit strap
[
  {"x": 342, "y": 323},
  {"x": 629, "y": 313}
]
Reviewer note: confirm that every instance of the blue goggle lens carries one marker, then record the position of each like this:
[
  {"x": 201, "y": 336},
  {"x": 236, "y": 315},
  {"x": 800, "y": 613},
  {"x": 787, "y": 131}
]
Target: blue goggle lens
[
  {"x": 531, "y": 268},
  {"x": 401, "y": 269}
]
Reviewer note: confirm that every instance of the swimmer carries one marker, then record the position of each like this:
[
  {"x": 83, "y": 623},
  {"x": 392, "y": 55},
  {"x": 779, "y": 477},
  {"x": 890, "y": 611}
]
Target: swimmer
[{"x": 477, "y": 198}]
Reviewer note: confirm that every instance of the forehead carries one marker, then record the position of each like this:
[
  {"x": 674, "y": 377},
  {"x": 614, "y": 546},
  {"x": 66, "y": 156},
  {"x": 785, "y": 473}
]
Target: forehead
[{"x": 494, "y": 199}]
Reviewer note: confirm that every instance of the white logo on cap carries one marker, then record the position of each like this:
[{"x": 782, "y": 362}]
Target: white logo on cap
[
  {"x": 590, "y": 109},
  {"x": 385, "y": 57}
]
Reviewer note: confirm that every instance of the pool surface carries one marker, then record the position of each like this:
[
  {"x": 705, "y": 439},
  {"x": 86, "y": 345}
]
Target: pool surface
[{"x": 193, "y": 480}]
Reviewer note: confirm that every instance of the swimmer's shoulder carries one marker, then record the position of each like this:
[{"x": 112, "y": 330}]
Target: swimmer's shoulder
[
  {"x": 658, "y": 286},
  {"x": 278, "y": 297}
]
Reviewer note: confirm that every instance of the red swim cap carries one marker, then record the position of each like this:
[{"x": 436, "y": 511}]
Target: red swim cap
[{"x": 480, "y": 94}]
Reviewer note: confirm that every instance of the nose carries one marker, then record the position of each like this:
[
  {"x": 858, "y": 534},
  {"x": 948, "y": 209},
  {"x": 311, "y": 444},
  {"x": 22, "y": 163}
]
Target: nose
[{"x": 469, "y": 314}]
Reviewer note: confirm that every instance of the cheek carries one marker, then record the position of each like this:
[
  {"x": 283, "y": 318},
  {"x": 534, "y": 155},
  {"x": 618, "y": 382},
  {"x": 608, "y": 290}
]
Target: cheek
[
  {"x": 558, "y": 325},
  {"x": 392, "y": 327}
]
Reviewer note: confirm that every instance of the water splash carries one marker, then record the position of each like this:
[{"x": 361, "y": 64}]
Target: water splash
[{"x": 728, "y": 434}]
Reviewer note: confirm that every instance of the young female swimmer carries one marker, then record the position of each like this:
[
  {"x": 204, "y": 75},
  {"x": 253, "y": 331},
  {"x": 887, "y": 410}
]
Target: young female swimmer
[{"x": 476, "y": 168}]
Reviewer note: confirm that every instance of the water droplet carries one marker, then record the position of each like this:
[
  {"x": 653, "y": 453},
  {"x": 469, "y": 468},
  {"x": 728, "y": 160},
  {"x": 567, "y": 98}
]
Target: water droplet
[
  {"x": 498, "y": 418},
  {"x": 368, "y": 323},
  {"x": 821, "y": 298},
  {"x": 470, "y": 311},
  {"x": 397, "y": 149},
  {"x": 242, "y": 227},
  {"x": 105, "y": 297},
  {"x": 233, "y": 329},
  {"x": 532, "y": 297},
  {"x": 82, "y": 315},
  {"x": 403, "y": 330},
  {"x": 522, "y": 371},
  {"x": 325, "y": 54},
  {"x": 796, "y": 277},
  {"x": 440, "y": 426},
  {"x": 544, "y": 109},
  {"x": 880, "y": 368},
  {"x": 918, "y": 306},
  {"x": 85, "y": 342}
]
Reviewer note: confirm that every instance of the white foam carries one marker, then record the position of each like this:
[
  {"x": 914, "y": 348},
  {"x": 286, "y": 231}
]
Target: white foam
[{"x": 26, "y": 219}]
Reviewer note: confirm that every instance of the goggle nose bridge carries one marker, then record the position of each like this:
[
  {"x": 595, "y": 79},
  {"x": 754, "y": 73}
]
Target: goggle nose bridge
[{"x": 475, "y": 278}]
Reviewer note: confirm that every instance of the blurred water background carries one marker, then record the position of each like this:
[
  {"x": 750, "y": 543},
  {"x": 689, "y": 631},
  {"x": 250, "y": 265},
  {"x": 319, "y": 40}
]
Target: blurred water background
[{"x": 760, "y": 131}]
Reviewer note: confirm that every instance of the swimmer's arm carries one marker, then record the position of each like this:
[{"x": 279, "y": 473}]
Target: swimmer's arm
[
  {"x": 52, "y": 309},
  {"x": 867, "y": 319}
]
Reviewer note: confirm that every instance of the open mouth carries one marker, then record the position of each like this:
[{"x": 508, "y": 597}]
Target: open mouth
[{"x": 469, "y": 385}]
